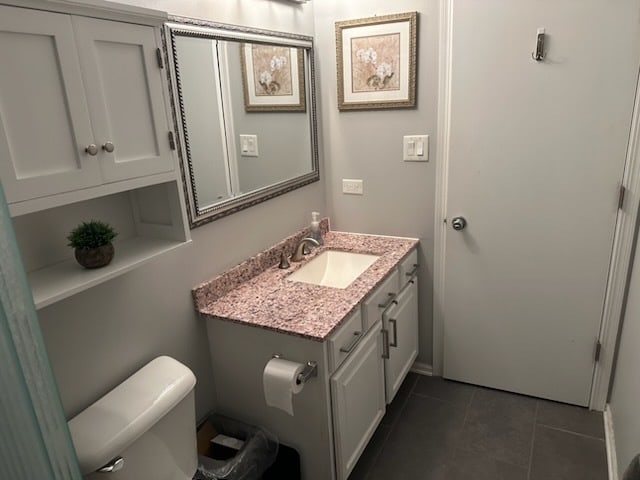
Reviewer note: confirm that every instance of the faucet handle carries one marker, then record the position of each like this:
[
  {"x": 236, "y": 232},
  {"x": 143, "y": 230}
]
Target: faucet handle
[{"x": 284, "y": 263}]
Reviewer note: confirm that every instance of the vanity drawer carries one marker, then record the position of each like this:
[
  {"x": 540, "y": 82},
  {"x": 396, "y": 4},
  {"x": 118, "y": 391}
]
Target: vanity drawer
[
  {"x": 381, "y": 298},
  {"x": 344, "y": 341},
  {"x": 408, "y": 267}
]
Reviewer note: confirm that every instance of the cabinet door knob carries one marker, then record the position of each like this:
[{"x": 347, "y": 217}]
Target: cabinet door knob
[
  {"x": 91, "y": 149},
  {"x": 108, "y": 147}
]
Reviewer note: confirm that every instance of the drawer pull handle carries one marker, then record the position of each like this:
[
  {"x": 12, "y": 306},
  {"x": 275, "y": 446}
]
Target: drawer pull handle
[
  {"x": 412, "y": 272},
  {"x": 392, "y": 299},
  {"x": 354, "y": 341},
  {"x": 394, "y": 324},
  {"x": 385, "y": 343}
]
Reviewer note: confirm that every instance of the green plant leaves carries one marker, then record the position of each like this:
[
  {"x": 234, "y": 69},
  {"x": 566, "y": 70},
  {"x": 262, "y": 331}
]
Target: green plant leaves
[{"x": 92, "y": 234}]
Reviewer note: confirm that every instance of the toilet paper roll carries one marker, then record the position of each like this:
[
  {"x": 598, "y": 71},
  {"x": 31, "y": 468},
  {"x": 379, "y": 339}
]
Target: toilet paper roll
[{"x": 279, "y": 382}]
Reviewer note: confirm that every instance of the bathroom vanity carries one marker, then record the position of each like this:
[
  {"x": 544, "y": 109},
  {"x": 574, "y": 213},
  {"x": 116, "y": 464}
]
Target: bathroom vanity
[{"x": 363, "y": 338}]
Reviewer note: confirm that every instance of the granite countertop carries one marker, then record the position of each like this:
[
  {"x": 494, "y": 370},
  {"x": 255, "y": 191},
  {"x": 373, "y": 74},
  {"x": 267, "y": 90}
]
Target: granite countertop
[{"x": 268, "y": 300}]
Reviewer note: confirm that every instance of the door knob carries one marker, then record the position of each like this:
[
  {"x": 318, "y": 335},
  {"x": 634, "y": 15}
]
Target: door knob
[
  {"x": 458, "y": 223},
  {"x": 108, "y": 147}
]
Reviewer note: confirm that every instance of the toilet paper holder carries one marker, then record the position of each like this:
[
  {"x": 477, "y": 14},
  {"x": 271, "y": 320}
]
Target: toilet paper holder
[{"x": 310, "y": 370}]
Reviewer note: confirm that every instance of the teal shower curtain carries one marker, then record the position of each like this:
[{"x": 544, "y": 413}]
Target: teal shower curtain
[{"x": 34, "y": 439}]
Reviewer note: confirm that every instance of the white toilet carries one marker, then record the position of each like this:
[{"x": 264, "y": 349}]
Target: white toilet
[{"x": 143, "y": 428}]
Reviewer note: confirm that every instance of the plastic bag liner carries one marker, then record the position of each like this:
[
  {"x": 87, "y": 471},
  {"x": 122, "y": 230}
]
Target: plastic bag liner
[
  {"x": 258, "y": 453},
  {"x": 633, "y": 470}
]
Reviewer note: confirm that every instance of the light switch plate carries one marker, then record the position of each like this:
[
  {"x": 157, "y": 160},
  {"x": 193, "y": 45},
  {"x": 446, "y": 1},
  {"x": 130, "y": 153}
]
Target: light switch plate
[
  {"x": 249, "y": 145},
  {"x": 415, "y": 148},
  {"x": 352, "y": 187}
]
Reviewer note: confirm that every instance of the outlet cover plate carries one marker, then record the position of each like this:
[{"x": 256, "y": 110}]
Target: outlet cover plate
[{"x": 352, "y": 186}]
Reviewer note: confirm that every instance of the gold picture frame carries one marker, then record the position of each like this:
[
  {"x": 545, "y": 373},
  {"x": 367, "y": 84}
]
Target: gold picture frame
[
  {"x": 272, "y": 78},
  {"x": 376, "y": 62}
]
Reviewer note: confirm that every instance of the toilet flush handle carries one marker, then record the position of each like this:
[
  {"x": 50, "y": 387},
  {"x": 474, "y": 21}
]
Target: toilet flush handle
[{"x": 113, "y": 466}]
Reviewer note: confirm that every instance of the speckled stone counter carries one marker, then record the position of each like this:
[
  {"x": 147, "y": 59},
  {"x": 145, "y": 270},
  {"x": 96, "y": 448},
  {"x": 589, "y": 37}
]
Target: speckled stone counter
[{"x": 258, "y": 294}]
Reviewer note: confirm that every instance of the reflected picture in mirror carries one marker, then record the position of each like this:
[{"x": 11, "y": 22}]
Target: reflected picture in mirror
[
  {"x": 245, "y": 110},
  {"x": 273, "y": 78}
]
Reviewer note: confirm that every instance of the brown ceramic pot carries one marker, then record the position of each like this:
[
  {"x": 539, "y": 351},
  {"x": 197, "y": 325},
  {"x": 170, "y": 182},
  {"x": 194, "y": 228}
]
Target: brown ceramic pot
[{"x": 95, "y": 257}]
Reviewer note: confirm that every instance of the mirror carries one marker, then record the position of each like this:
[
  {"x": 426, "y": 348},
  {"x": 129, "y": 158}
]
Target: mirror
[{"x": 244, "y": 108}]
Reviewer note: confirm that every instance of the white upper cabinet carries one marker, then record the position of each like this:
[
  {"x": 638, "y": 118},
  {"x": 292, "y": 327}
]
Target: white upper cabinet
[
  {"x": 44, "y": 119},
  {"x": 84, "y": 134},
  {"x": 124, "y": 93},
  {"x": 81, "y": 103}
]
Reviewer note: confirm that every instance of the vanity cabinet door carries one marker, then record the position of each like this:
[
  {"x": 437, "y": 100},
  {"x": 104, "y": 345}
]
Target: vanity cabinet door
[
  {"x": 357, "y": 394},
  {"x": 44, "y": 118},
  {"x": 401, "y": 323},
  {"x": 124, "y": 89}
]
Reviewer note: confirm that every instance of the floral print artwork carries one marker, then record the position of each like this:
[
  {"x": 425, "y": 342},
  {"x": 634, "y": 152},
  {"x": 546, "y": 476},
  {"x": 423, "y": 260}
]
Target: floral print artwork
[
  {"x": 375, "y": 62},
  {"x": 271, "y": 70}
]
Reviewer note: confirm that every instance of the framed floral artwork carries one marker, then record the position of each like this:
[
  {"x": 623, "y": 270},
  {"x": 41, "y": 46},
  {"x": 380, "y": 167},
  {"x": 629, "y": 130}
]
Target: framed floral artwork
[
  {"x": 273, "y": 78},
  {"x": 376, "y": 62}
]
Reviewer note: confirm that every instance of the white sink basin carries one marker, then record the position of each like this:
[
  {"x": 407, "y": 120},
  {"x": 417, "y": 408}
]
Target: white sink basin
[{"x": 333, "y": 268}]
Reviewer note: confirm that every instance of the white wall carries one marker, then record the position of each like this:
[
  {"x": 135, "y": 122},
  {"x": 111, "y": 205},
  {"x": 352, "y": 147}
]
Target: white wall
[
  {"x": 624, "y": 400},
  {"x": 99, "y": 337},
  {"x": 398, "y": 197},
  {"x": 270, "y": 14}
]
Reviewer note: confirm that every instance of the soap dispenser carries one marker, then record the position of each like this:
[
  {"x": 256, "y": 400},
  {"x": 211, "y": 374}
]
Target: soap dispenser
[{"x": 315, "y": 227}]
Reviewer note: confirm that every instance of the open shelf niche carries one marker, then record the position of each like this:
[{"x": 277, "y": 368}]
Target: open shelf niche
[{"x": 149, "y": 220}]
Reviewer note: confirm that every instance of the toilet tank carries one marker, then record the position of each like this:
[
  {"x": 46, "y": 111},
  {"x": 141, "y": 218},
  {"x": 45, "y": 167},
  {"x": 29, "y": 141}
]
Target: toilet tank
[{"x": 148, "y": 420}]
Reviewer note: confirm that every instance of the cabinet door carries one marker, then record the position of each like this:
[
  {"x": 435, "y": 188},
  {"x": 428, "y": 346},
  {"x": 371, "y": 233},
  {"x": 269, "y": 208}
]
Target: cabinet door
[
  {"x": 401, "y": 321},
  {"x": 44, "y": 119},
  {"x": 125, "y": 95},
  {"x": 357, "y": 394}
]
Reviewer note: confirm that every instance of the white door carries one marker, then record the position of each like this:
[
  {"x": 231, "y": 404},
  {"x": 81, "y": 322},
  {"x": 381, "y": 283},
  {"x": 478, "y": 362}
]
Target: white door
[
  {"x": 197, "y": 64},
  {"x": 125, "y": 94},
  {"x": 44, "y": 119},
  {"x": 536, "y": 156}
]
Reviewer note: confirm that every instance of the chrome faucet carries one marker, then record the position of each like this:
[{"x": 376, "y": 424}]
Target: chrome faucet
[{"x": 299, "y": 251}]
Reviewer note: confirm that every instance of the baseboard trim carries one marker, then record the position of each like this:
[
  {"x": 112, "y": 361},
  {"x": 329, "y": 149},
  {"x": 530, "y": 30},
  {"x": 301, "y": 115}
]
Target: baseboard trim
[
  {"x": 610, "y": 442},
  {"x": 422, "y": 368}
]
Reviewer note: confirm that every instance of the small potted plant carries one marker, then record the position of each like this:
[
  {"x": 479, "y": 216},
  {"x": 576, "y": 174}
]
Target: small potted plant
[{"x": 92, "y": 243}]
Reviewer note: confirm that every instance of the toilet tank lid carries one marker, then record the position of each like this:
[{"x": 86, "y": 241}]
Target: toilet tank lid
[{"x": 106, "y": 428}]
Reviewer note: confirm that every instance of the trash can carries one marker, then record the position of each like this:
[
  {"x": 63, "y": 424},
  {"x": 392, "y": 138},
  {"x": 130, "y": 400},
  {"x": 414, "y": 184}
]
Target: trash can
[{"x": 232, "y": 450}]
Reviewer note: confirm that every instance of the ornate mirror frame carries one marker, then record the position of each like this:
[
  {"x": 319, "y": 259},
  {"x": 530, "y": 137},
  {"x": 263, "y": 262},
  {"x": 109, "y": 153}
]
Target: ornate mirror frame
[{"x": 197, "y": 28}]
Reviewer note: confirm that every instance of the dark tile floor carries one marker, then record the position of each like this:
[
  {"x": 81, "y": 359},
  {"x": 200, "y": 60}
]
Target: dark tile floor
[{"x": 441, "y": 430}]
